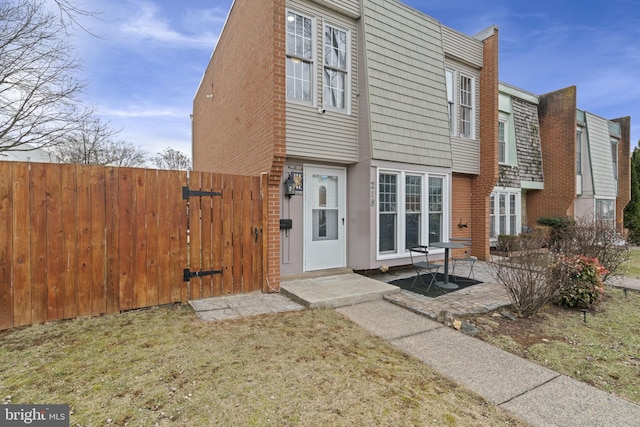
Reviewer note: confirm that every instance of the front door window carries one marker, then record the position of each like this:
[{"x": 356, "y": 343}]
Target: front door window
[{"x": 325, "y": 209}]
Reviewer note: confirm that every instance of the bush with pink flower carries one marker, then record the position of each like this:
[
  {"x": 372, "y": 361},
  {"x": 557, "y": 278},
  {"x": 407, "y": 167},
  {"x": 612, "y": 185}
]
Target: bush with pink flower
[{"x": 579, "y": 280}]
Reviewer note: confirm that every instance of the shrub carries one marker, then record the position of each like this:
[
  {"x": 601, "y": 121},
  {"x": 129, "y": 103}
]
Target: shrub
[
  {"x": 594, "y": 238},
  {"x": 579, "y": 280},
  {"x": 556, "y": 222},
  {"x": 535, "y": 239},
  {"x": 558, "y": 225},
  {"x": 527, "y": 277},
  {"x": 508, "y": 243}
]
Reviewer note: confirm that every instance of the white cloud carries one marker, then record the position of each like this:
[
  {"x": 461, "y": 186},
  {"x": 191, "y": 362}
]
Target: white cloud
[
  {"x": 143, "y": 112},
  {"x": 149, "y": 24}
]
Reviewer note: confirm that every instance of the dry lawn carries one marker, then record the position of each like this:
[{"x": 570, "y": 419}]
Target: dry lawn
[{"x": 165, "y": 367}]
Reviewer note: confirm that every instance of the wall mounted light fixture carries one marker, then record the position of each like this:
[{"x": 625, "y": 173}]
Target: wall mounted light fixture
[{"x": 289, "y": 187}]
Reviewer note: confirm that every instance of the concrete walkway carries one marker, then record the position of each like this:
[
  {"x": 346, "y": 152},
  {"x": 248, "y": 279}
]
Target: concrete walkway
[
  {"x": 533, "y": 393},
  {"x": 243, "y": 305},
  {"x": 527, "y": 390},
  {"x": 625, "y": 283}
]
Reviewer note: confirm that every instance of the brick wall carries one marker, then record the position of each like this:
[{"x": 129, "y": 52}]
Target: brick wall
[
  {"x": 557, "y": 116},
  {"x": 239, "y": 111},
  {"x": 279, "y": 143},
  {"x": 624, "y": 169},
  {"x": 461, "y": 208},
  {"x": 483, "y": 184},
  {"x": 239, "y": 108}
]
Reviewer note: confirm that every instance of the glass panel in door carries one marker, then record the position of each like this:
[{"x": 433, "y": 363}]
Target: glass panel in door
[{"x": 325, "y": 207}]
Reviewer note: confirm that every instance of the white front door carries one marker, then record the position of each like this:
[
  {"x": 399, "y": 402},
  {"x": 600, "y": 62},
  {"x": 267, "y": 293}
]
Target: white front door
[{"x": 325, "y": 199}]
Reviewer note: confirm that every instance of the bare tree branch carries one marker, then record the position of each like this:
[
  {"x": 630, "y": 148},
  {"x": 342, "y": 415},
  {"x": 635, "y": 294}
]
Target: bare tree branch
[
  {"x": 38, "y": 76},
  {"x": 93, "y": 144},
  {"x": 69, "y": 14},
  {"x": 171, "y": 159},
  {"x": 122, "y": 153}
]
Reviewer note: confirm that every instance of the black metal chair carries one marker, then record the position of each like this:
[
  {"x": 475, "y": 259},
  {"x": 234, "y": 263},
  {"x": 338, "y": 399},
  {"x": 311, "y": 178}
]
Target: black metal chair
[
  {"x": 420, "y": 262},
  {"x": 466, "y": 257}
]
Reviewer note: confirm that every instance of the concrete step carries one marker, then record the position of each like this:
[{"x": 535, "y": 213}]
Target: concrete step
[{"x": 336, "y": 290}]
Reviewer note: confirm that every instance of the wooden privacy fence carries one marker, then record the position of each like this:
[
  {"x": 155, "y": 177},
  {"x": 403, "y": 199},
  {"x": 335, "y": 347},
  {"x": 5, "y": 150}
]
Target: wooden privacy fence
[{"x": 81, "y": 240}]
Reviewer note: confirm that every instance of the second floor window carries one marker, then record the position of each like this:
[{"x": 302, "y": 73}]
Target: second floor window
[
  {"x": 502, "y": 142},
  {"x": 299, "y": 57},
  {"x": 466, "y": 107},
  {"x": 335, "y": 67}
]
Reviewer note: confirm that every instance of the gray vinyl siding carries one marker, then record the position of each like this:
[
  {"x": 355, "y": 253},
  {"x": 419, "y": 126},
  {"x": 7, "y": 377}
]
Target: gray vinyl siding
[
  {"x": 406, "y": 85},
  {"x": 349, "y": 7},
  {"x": 465, "y": 151},
  {"x": 332, "y": 135},
  {"x": 462, "y": 47},
  {"x": 600, "y": 156},
  {"x": 463, "y": 54}
]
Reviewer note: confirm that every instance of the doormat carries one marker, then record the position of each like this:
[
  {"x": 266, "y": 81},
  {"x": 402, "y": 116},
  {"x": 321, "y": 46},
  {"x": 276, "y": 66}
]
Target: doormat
[{"x": 435, "y": 291}]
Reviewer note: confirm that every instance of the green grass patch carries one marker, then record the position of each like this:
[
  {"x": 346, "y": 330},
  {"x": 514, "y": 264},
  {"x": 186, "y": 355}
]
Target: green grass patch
[
  {"x": 604, "y": 351},
  {"x": 633, "y": 265}
]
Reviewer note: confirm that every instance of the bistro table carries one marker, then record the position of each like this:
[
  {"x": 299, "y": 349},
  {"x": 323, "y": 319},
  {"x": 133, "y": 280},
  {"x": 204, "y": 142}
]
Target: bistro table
[{"x": 447, "y": 247}]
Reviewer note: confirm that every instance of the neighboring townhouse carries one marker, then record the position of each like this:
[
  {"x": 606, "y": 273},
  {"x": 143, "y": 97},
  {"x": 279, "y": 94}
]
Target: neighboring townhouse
[
  {"x": 376, "y": 125},
  {"x": 520, "y": 162},
  {"x": 32, "y": 154},
  {"x": 422, "y": 150},
  {"x": 586, "y": 162},
  {"x": 471, "y": 71}
]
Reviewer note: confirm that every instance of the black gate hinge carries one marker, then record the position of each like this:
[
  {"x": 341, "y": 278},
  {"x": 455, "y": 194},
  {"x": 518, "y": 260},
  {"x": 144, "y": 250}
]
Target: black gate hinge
[
  {"x": 186, "y": 193},
  {"x": 188, "y": 274}
]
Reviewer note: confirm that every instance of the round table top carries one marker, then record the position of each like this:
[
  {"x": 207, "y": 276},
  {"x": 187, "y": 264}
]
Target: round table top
[{"x": 449, "y": 245}]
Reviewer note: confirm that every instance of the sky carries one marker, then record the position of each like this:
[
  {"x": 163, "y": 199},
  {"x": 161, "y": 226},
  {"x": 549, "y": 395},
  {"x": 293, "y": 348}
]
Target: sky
[{"x": 145, "y": 59}]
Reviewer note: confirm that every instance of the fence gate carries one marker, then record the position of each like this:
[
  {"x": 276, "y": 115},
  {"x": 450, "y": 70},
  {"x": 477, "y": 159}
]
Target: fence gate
[
  {"x": 224, "y": 216},
  {"x": 79, "y": 240}
]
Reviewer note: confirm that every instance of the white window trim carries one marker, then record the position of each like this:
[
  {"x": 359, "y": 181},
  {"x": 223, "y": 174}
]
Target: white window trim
[
  {"x": 608, "y": 199},
  {"x": 314, "y": 59},
  {"x": 451, "y": 102},
  {"x": 506, "y": 141},
  {"x": 347, "y": 88},
  {"x": 473, "y": 106},
  {"x": 580, "y": 150},
  {"x": 507, "y": 191},
  {"x": 615, "y": 159},
  {"x": 401, "y": 252}
]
